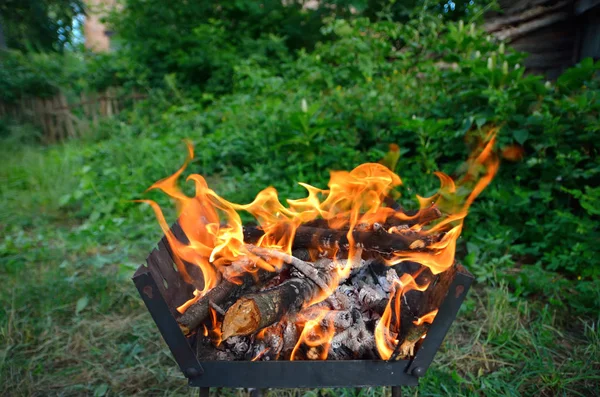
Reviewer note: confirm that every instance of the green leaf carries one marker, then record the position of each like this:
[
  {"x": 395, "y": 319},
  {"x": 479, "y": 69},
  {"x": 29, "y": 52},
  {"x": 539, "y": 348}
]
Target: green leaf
[
  {"x": 520, "y": 136},
  {"x": 101, "y": 390},
  {"x": 81, "y": 304}
]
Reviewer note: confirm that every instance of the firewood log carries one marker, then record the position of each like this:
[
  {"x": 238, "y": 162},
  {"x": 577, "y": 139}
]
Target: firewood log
[
  {"x": 198, "y": 311},
  {"x": 375, "y": 242},
  {"x": 256, "y": 311},
  {"x": 225, "y": 290}
]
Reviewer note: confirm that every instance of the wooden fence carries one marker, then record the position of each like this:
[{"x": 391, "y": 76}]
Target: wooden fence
[{"x": 59, "y": 120}]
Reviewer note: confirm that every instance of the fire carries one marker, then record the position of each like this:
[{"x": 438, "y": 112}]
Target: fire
[
  {"x": 426, "y": 318},
  {"x": 354, "y": 200},
  {"x": 385, "y": 337},
  {"x": 214, "y": 227},
  {"x": 215, "y": 333},
  {"x": 316, "y": 336},
  {"x": 440, "y": 255}
]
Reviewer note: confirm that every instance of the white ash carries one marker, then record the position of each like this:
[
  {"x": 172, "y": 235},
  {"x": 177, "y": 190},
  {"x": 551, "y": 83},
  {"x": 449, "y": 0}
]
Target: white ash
[
  {"x": 400, "y": 229},
  {"x": 237, "y": 345},
  {"x": 339, "y": 301},
  {"x": 358, "y": 339},
  {"x": 388, "y": 280},
  {"x": 363, "y": 339},
  {"x": 350, "y": 291},
  {"x": 364, "y": 276},
  {"x": 223, "y": 356},
  {"x": 290, "y": 336},
  {"x": 340, "y": 319},
  {"x": 370, "y": 296}
]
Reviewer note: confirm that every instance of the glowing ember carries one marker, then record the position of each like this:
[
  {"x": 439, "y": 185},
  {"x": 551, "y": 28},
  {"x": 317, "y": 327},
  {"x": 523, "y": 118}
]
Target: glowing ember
[{"x": 261, "y": 353}]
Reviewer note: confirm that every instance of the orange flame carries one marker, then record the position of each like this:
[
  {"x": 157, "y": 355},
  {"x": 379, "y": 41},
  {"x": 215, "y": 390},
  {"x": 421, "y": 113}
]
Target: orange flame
[
  {"x": 315, "y": 335},
  {"x": 440, "y": 255},
  {"x": 384, "y": 339},
  {"x": 215, "y": 333},
  {"x": 214, "y": 229},
  {"x": 426, "y": 318}
]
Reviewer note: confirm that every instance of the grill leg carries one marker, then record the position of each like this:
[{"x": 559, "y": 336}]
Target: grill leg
[
  {"x": 204, "y": 392},
  {"x": 257, "y": 392},
  {"x": 396, "y": 391}
]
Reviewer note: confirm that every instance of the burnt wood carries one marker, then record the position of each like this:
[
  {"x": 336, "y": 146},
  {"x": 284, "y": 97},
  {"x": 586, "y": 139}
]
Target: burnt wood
[{"x": 312, "y": 237}]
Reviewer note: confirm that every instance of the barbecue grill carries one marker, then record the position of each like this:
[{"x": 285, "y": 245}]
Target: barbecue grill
[{"x": 163, "y": 289}]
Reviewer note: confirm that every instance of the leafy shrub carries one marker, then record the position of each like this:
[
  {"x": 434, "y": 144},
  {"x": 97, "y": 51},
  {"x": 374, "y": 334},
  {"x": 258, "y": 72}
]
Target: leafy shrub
[
  {"x": 425, "y": 85},
  {"x": 201, "y": 43},
  {"x": 38, "y": 74}
]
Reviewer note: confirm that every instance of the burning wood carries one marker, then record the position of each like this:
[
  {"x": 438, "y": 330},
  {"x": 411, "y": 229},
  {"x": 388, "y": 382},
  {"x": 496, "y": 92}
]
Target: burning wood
[
  {"x": 198, "y": 311},
  {"x": 371, "y": 241},
  {"x": 342, "y": 274}
]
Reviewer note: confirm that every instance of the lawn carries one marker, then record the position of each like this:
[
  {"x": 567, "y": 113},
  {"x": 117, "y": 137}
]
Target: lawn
[{"x": 71, "y": 322}]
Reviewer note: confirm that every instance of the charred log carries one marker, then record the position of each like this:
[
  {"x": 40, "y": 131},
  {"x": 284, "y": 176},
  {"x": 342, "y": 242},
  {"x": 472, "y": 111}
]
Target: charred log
[{"x": 374, "y": 242}]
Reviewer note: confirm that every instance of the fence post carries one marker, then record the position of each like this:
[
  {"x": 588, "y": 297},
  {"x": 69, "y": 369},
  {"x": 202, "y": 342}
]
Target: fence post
[{"x": 67, "y": 115}]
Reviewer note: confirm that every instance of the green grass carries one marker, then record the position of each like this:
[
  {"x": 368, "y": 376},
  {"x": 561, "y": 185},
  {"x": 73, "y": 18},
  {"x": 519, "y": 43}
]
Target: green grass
[{"x": 71, "y": 322}]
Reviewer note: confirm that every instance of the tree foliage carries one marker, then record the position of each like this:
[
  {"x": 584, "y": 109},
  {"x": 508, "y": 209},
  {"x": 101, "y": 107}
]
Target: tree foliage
[
  {"x": 200, "y": 43},
  {"x": 44, "y": 25}
]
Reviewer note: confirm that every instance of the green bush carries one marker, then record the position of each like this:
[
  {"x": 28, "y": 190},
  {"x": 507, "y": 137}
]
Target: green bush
[
  {"x": 38, "y": 74},
  {"x": 202, "y": 43},
  {"x": 426, "y": 85}
]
